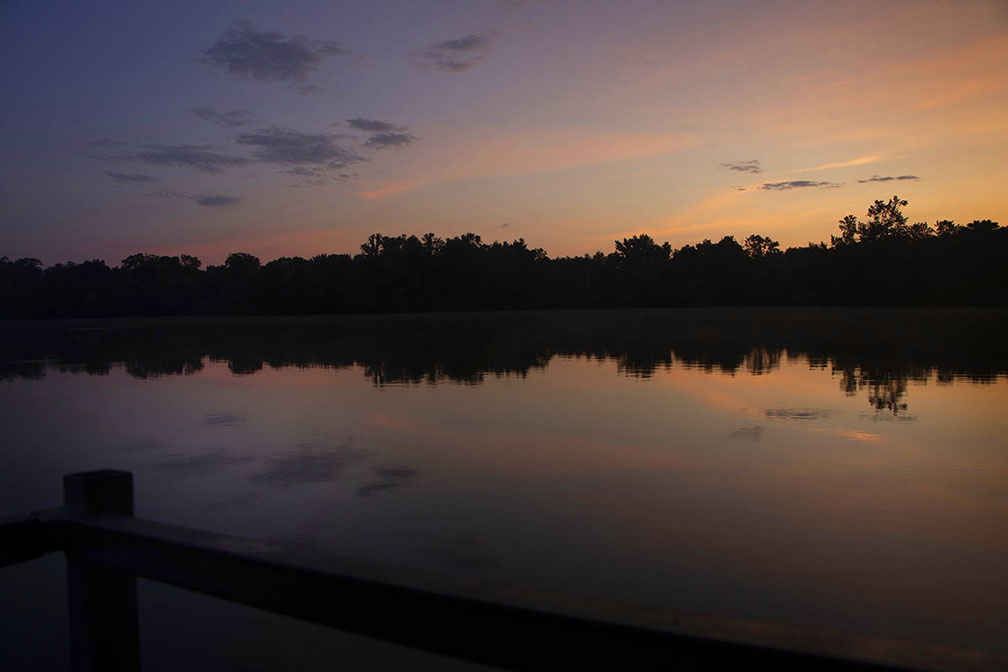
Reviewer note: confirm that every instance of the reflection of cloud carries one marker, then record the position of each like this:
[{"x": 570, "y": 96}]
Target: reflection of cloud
[
  {"x": 212, "y": 461},
  {"x": 131, "y": 445},
  {"x": 313, "y": 465},
  {"x": 227, "y": 419},
  {"x": 754, "y": 433},
  {"x": 797, "y": 413},
  {"x": 886, "y": 417},
  {"x": 268, "y": 55},
  {"x": 389, "y": 477},
  {"x": 464, "y": 551},
  {"x": 455, "y": 55},
  {"x": 852, "y": 434},
  {"x": 243, "y": 501}
]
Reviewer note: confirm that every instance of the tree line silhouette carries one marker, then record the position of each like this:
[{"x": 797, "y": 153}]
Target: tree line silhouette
[{"x": 883, "y": 260}]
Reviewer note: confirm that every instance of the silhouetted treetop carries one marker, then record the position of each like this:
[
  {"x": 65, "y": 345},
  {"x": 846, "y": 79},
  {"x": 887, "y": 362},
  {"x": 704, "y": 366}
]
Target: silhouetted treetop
[
  {"x": 757, "y": 246},
  {"x": 883, "y": 260}
]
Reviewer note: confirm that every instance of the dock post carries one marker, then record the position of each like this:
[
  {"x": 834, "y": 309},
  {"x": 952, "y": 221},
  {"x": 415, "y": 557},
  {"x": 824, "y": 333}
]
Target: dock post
[{"x": 102, "y": 602}]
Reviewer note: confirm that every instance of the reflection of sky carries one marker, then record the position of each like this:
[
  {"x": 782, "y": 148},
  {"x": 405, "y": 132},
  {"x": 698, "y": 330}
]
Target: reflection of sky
[
  {"x": 569, "y": 123},
  {"x": 774, "y": 496}
]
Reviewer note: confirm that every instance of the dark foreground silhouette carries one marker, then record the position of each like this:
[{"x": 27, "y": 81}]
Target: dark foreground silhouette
[
  {"x": 881, "y": 261},
  {"x": 107, "y": 549}
]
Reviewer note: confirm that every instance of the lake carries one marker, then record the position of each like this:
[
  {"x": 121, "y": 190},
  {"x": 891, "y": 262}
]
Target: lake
[{"x": 845, "y": 469}]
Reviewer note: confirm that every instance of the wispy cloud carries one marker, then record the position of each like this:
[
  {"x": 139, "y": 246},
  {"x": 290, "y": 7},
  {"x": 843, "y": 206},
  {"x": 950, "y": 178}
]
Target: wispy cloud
[
  {"x": 797, "y": 184},
  {"x": 383, "y": 134},
  {"x": 371, "y": 125},
  {"x": 228, "y": 119},
  {"x": 226, "y": 419},
  {"x": 752, "y": 166},
  {"x": 861, "y": 160},
  {"x": 387, "y": 478},
  {"x": 205, "y": 200},
  {"x": 204, "y": 158},
  {"x": 129, "y": 178},
  {"x": 267, "y": 56},
  {"x": 533, "y": 152},
  {"x": 306, "y": 89},
  {"x": 889, "y": 178},
  {"x": 384, "y": 140},
  {"x": 109, "y": 142},
  {"x": 216, "y": 201},
  {"x": 455, "y": 55},
  {"x": 284, "y": 146},
  {"x": 316, "y": 176},
  {"x": 392, "y": 189}
]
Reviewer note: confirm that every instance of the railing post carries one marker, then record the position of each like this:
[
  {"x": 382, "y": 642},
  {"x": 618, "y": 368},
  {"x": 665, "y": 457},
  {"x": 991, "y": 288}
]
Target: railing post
[{"x": 102, "y": 601}]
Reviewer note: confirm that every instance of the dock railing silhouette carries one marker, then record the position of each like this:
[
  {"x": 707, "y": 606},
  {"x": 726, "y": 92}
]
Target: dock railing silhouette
[{"x": 107, "y": 548}]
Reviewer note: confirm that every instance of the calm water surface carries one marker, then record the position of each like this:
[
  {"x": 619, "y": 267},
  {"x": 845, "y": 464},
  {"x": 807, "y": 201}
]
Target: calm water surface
[{"x": 840, "y": 469}]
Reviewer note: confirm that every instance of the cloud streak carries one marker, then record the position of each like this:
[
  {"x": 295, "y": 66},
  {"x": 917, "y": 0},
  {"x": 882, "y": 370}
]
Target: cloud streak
[
  {"x": 316, "y": 176},
  {"x": 383, "y": 134},
  {"x": 388, "y": 478},
  {"x": 129, "y": 178},
  {"x": 216, "y": 201},
  {"x": 203, "y": 158},
  {"x": 204, "y": 200},
  {"x": 306, "y": 89},
  {"x": 752, "y": 166},
  {"x": 229, "y": 119},
  {"x": 269, "y": 56},
  {"x": 454, "y": 55},
  {"x": 859, "y": 161},
  {"x": 533, "y": 152},
  {"x": 798, "y": 184},
  {"x": 385, "y": 140},
  {"x": 308, "y": 156},
  {"x": 287, "y": 147},
  {"x": 889, "y": 178},
  {"x": 371, "y": 125}
]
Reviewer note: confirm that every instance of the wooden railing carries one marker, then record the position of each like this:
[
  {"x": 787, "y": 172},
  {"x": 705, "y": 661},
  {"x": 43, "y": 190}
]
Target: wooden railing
[{"x": 107, "y": 548}]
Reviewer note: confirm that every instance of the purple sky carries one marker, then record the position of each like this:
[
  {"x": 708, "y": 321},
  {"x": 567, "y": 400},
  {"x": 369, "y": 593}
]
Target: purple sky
[{"x": 300, "y": 127}]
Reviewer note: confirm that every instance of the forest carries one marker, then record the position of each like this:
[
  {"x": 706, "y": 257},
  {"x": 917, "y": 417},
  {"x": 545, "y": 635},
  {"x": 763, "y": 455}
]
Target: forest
[{"x": 880, "y": 260}]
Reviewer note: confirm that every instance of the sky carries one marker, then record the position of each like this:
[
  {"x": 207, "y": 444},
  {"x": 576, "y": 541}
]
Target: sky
[{"x": 301, "y": 127}]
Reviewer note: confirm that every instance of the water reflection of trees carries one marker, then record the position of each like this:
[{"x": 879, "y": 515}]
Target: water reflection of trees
[
  {"x": 877, "y": 352},
  {"x": 885, "y": 387}
]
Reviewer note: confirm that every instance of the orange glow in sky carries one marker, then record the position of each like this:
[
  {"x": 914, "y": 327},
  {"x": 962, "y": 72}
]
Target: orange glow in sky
[{"x": 569, "y": 124}]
